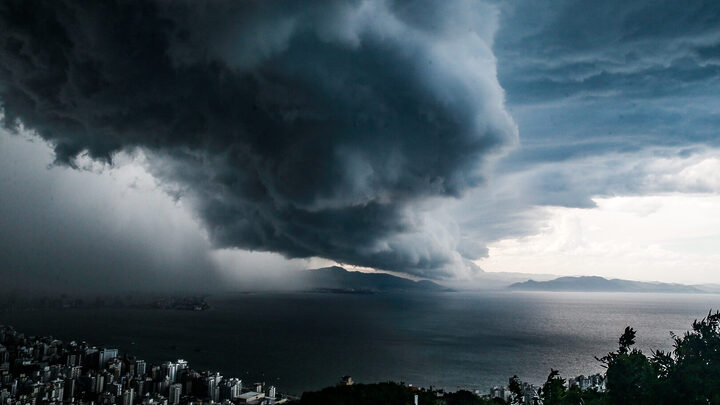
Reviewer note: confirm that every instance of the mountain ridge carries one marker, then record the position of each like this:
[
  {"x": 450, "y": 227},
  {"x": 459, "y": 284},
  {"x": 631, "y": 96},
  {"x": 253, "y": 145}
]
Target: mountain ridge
[
  {"x": 601, "y": 284},
  {"x": 338, "y": 279}
]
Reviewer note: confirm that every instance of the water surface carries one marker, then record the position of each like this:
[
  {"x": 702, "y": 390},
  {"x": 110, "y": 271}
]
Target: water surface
[{"x": 301, "y": 341}]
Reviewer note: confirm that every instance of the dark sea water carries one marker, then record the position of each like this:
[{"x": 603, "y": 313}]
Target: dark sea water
[{"x": 302, "y": 341}]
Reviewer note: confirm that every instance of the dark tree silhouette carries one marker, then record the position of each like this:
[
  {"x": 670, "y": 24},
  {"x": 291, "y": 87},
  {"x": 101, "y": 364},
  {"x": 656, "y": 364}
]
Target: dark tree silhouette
[
  {"x": 689, "y": 374},
  {"x": 630, "y": 374},
  {"x": 516, "y": 389},
  {"x": 553, "y": 392}
]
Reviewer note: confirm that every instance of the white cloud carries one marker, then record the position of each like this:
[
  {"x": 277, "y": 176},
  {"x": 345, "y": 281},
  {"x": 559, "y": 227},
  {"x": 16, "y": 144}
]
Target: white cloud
[
  {"x": 698, "y": 173},
  {"x": 672, "y": 238}
]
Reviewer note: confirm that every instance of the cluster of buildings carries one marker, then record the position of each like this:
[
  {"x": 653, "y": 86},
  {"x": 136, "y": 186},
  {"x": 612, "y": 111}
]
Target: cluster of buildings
[
  {"x": 593, "y": 382},
  {"x": 530, "y": 391},
  {"x": 43, "y": 370},
  {"x": 530, "y": 394}
]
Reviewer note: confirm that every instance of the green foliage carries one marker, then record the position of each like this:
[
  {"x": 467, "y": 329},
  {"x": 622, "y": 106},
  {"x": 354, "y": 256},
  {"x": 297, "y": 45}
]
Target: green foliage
[
  {"x": 389, "y": 393},
  {"x": 631, "y": 379},
  {"x": 630, "y": 375},
  {"x": 690, "y": 374},
  {"x": 516, "y": 389},
  {"x": 589, "y": 397},
  {"x": 360, "y": 394},
  {"x": 467, "y": 398},
  {"x": 627, "y": 339},
  {"x": 554, "y": 392}
]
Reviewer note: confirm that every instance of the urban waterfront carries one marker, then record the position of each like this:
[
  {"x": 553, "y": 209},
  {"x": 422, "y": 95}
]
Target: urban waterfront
[
  {"x": 304, "y": 341},
  {"x": 41, "y": 369}
]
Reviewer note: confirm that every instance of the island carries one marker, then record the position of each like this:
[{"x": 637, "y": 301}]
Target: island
[
  {"x": 600, "y": 284},
  {"x": 339, "y": 280}
]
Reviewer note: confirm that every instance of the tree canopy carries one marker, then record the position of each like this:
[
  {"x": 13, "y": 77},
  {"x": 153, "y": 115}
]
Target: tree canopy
[{"x": 688, "y": 374}]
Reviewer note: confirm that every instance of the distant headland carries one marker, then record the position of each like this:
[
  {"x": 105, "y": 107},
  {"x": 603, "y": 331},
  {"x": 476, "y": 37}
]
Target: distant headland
[{"x": 600, "y": 284}]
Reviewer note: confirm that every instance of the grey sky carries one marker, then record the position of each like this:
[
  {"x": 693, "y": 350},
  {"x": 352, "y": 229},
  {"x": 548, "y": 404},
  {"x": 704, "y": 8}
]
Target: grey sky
[{"x": 402, "y": 136}]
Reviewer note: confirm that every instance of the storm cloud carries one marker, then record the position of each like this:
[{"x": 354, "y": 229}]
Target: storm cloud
[
  {"x": 93, "y": 231},
  {"x": 600, "y": 91},
  {"x": 611, "y": 99},
  {"x": 587, "y": 78},
  {"x": 640, "y": 49},
  {"x": 304, "y": 128}
]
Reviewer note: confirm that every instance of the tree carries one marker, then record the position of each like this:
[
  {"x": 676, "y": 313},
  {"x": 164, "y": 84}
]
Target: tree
[
  {"x": 464, "y": 397},
  {"x": 631, "y": 377},
  {"x": 553, "y": 391},
  {"x": 516, "y": 389},
  {"x": 691, "y": 375}
]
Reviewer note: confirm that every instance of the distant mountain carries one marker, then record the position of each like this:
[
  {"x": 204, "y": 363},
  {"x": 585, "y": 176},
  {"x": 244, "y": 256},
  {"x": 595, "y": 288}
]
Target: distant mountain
[
  {"x": 600, "y": 284},
  {"x": 337, "y": 279},
  {"x": 708, "y": 288},
  {"x": 482, "y": 280}
]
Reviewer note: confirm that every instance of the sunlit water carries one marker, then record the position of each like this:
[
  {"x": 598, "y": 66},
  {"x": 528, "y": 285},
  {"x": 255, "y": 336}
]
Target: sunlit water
[{"x": 301, "y": 341}]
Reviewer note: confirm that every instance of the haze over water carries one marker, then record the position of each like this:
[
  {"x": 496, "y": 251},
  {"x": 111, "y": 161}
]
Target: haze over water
[{"x": 303, "y": 341}]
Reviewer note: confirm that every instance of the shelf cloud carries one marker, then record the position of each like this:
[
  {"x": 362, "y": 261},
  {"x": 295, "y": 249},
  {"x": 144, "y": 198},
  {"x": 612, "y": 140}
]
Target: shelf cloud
[{"x": 304, "y": 128}]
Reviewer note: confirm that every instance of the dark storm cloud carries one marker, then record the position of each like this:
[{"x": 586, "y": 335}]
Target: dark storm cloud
[
  {"x": 639, "y": 49},
  {"x": 601, "y": 91},
  {"x": 587, "y": 77},
  {"x": 292, "y": 127}
]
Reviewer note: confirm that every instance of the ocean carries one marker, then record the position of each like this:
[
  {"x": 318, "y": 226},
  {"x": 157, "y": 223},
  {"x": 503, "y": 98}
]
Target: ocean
[{"x": 305, "y": 341}]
